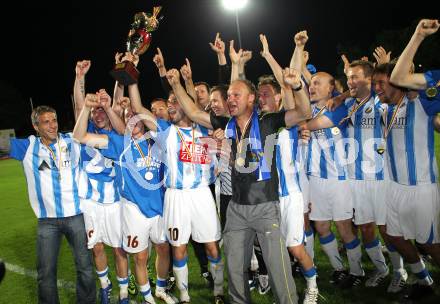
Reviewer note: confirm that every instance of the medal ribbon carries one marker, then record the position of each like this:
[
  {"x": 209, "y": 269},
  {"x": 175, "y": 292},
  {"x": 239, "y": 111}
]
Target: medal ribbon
[
  {"x": 355, "y": 109},
  {"x": 148, "y": 160}
]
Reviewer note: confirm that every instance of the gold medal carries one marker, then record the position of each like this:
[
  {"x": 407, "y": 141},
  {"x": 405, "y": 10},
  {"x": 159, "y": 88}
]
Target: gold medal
[
  {"x": 431, "y": 92},
  {"x": 336, "y": 131},
  {"x": 380, "y": 150},
  {"x": 149, "y": 175},
  {"x": 240, "y": 161}
]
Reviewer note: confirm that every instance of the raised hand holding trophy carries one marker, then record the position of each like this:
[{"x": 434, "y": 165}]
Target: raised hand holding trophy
[{"x": 138, "y": 41}]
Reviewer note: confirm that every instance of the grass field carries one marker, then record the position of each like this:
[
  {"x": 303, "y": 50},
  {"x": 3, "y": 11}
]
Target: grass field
[{"x": 17, "y": 248}]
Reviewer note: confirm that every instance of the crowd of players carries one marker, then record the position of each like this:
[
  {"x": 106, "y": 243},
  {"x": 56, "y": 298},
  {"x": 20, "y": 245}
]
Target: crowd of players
[{"x": 289, "y": 157}]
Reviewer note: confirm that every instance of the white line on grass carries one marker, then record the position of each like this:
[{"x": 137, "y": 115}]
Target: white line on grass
[
  {"x": 60, "y": 283},
  {"x": 33, "y": 274}
]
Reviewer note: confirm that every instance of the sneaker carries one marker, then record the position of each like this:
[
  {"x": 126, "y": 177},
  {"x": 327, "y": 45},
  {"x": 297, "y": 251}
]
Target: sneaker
[
  {"x": 263, "y": 284},
  {"x": 398, "y": 281},
  {"x": 377, "y": 278},
  {"x": 351, "y": 281},
  {"x": 338, "y": 276},
  {"x": 124, "y": 301},
  {"x": 171, "y": 282},
  {"x": 418, "y": 291},
  {"x": 208, "y": 279},
  {"x": 219, "y": 299},
  {"x": 132, "y": 287},
  {"x": 164, "y": 295},
  {"x": 184, "y": 298},
  {"x": 104, "y": 294},
  {"x": 253, "y": 282},
  {"x": 311, "y": 296},
  {"x": 150, "y": 300}
]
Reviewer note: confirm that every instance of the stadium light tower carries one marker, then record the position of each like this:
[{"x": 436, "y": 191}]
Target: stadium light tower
[{"x": 235, "y": 5}]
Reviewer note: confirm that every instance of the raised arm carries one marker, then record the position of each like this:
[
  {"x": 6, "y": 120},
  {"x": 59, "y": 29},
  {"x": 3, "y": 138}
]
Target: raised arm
[
  {"x": 160, "y": 64},
  {"x": 186, "y": 72},
  {"x": 304, "y": 70},
  {"x": 288, "y": 100},
  {"x": 147, "y": 117},
  {"x": 401, "y": 75},
  {"x": 189, "y": 107},
  {"x": 381, "y": 55},
  {"x": 274, "y": 66},
  {"x": 219, "y": 48},
  {"x": 118, "y": 91},
  {"x": 244, "y": 58},
  {"x": 149, "y": 120},
  {"x": 235, "y": 61},
  {"x": 80, "y": 131},
  {"x": 297, "y": 61},
  {"x": 114, "y": 117},
  {"x": 301, "y": 109},
  {"x": 81, "y": 69}
]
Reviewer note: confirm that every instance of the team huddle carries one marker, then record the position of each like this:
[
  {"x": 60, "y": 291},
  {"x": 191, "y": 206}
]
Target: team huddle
[{"x": 290, "y": 157}]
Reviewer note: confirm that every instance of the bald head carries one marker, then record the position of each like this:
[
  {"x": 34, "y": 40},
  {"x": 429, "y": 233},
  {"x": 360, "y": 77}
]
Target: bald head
[
  {"x": 325, "y": 77},
  {"x": 321, "y": 86}
]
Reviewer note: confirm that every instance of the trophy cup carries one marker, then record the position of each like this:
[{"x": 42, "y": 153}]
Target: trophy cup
[{"x": 138, "y": 41}]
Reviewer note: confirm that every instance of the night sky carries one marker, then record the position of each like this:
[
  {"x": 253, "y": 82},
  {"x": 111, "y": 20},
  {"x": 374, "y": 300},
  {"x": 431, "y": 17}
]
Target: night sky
[{"x": 49, "y": 37}]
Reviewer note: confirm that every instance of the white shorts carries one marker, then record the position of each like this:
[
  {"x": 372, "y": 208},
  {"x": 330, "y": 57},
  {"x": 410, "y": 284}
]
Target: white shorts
[
  {"x": 305, "y": 189},
  {"x": 102, "y": 223},
  {"x": 369, "y": 201},
  {"x": 414, "y": 212},
  {"x": 330, "y": 199},
  {"x": 292, "y": 219},
  {"x": 137, "y": 229},
  {"x": 190, "y": 212}
]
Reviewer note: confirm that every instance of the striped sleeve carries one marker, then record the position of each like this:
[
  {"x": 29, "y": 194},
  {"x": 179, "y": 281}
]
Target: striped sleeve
[{"x": 19, "y": 148}]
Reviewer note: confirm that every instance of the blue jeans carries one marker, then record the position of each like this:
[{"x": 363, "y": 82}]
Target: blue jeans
[{"x": 50, "y": 231}]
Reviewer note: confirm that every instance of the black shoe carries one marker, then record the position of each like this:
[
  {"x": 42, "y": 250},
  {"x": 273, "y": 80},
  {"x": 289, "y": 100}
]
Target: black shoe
[
  {"x": 296, "y": 269},
  {"x": 219, "y": 299},
  {"x": 351, "y": 281},
  {"x": 338, "y": 276},
  {"x": 418, "y": 291},
  {"x": 208, "y": 279}
]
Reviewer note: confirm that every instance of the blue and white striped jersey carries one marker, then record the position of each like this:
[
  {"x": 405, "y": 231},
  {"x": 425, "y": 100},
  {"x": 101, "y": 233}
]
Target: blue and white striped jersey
[
  {"x": 183, "y": 171},
  {"x": 288, "y": 161},
  {"x": 52, "y": 184},
  {"x": 410, "y": 143},
  {"x": 140, "y": 176},
  {"x": 365, "y": 136},
  {"x": 97, "y": 179},
  {"x": 327, "y": 154}
]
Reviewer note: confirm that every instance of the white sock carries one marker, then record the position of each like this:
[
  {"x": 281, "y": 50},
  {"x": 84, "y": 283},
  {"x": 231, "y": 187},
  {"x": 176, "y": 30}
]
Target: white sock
[
  {"x": 310, "y": 243},
  {"x": 216, "y": 268},
  {"x": 330, "y": 247},
  {"x": 374, "y": 251},
  {"x": 145, "y": 291},
  {"x": 310, "y": 276},
  {"x": 161, "y": 284},
  {"x": 354, "y": 255},
  {"x": 422, "y": 274},
  {"x": 180, "y": 268},
  {"x": 123, "y": 287},
  {"x": 103, "y": 278},
  {"x": 395, "y": 258},
  {"x": 254, "y": 261}
]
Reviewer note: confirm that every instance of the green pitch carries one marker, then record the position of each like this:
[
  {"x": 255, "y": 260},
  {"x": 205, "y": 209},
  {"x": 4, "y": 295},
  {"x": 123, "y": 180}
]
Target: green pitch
[{"x": 17, "y": 249}]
